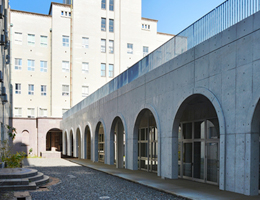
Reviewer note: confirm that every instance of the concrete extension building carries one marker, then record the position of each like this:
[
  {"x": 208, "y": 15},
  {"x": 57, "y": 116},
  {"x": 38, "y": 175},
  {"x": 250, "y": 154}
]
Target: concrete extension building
[
  {"x": 194, "y": 116},
  {"x": 60, "y": 58}
]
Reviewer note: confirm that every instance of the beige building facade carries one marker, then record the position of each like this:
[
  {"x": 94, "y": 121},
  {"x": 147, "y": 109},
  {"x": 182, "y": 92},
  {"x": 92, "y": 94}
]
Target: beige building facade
[{"x": 60, "y": 58}]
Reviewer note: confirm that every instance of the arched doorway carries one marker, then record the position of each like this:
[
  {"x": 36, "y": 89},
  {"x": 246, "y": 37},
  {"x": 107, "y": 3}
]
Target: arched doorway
[
  {"x": 87, "y": 143},
  {"x": 255, "y": 134},
  {"x": 147, "y": 141},
  {"x": 71, "y": 144},
  {"x": 78, "y": 144},
  {"x": 117, "y": 137},
  {"x": 198, "y": 140},
  {"x": 54, "y": 140},
  {"x": 100, "y": 142}
]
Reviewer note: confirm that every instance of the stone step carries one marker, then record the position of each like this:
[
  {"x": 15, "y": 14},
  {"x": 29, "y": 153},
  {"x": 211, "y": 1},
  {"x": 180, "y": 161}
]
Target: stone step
[
  {"x": 42, "y": 181},
  {"x": 30, "y": 186},
  {"x": 16, "y": 181},
  {"x": 37, "y": 177},
  {"x": 13, "y": 173}
]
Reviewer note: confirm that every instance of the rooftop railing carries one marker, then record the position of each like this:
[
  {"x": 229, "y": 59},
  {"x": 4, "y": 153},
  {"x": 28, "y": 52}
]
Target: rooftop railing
[{"x": 222, "y": 17}]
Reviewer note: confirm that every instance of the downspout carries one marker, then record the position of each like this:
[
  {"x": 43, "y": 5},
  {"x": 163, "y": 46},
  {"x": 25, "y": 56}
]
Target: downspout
[{"x": 71, "y": 56}]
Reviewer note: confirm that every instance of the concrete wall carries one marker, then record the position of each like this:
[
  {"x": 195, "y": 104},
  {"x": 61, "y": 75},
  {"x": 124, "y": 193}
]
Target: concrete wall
[{"x": 224, "y": 69}]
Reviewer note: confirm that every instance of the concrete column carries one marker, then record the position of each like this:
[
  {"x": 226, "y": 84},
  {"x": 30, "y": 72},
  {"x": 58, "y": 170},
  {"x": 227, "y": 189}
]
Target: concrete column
[{"x": 120, "y": 146}]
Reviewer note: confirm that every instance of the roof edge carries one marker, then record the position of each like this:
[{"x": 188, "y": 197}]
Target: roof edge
[
  {"x": 30, "y": 13},
  {"x": 154, "y": 20}
]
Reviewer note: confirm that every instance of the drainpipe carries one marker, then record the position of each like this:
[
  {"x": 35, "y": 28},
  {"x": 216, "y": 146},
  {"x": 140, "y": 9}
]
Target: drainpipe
[{"x": 71, "y": 55}]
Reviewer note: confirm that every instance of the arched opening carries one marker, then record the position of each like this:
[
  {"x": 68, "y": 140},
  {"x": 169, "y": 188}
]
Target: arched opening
[
  {"x": 78, "y": 144},
  {"x": 71, "y": 144},
  {"x": 117, "y": 137},
  {"x": 147, "y": 141},
  {"x": 197, "y": 126},
  {"x": 100, "y": 142},
  {"x": 54, "y": 140},
  {"x": 87, "y": 143},
  {"x": 255, "y": 135}
]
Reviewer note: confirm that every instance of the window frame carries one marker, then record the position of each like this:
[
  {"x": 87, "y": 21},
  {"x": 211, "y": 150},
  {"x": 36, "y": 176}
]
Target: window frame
[
  {"x": 43, "y": 112},
  {"x": 103, "y": 24},
  {"x": 130, "y": 48},
  {"x": 18, "y": 90},
  {"x": 65, "y": 41},
  {"x": 18, "y": 112},
  {"x": 18, "y": 66},
  {"x": 65, "y": 66},
  {"x": 111, "y": 5},
  {"x": 111, "y": 47},
  {"x": 111, "y": 25},
  {"x": 65, "y": 92},
  {"x": 18, "y": 40},
  {"x": 103, "y": 71},
  {"x": 31, "y": 39},
  {"x": 111, "y": 72},
  {"x": 103, "y": 4},
  {"x": 83, "y": 92},
  {"x": 144, "y": 52},
  {"x": 43, "y": 90},
  {"x": 85, "y": 70},
  {"x": 43, "y": 43},
  {"x": 32, "y": 112},
  {"x": 30, "y": 65},
  {"x": 103, "y": 46},
  {"x": 85, "y": 42},
  {"x": 43, "y": 68},
  {"x": 30, "y": 89}
]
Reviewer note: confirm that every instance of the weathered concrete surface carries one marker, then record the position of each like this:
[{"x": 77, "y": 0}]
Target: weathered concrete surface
[{"x": 225, "y": 69}]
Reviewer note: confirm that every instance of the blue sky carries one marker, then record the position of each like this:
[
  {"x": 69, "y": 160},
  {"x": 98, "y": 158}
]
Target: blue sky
[{"x": 173, "y": 15}]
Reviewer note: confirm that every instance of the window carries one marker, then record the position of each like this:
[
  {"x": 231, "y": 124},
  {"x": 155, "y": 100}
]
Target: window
[
  {"x": 43, "y": 66},
  {"x": 31, "y": 39},
  {"x": 65, "y": 90},
  {"x": 43, "y": 40},
  {"x": 103, "y": 24},
  {"x": 64, "y": 110},
  {"x": 103, "y": 69},
  {"x": 111, "y": 71},
  {"x": 65, "y": 41},
  {"x": 111, "y": 25},
  {"x": 18, "y": 38},
  {"x": 31, "y": 89},
  {"x": 85, "y": 91},
  {"x": 43, "y": 90},
  {"x": 103, "y": 4},
  {"x": 65, "y": 66},
  {"x": 145, "y": 50},
  {"x": 43, "y": 112},
  {"x": 85, "y": 42},
  {"x": 30, "y": 112},
  {"x": 30, "y": 65},
  {"x": 18, "y": 112},
  {"x": 111, "y": 5},
  {"x": 18, "y": 88},
  {"x": 84, "y": 67},
  {"x": 129, "y": 48},
  {"x": 103, "y": 45},
  {"x": 18, "y": 64},
  {"x": 61, "y": 12},
  {"x": 111, "y": 46}
]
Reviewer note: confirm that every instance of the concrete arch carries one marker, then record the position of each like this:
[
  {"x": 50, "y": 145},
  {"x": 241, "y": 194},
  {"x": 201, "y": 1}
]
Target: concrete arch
[
  {"x": 222, "y": 130},
  {"x": 65, "y": 142},
  {"x": 85, "y": 146},
  {"x": 71, "y": 143},
  {"x": 152, "y": 109},
  {"x": 78, "y": 144},
  {"x": 100, "y": 121},
  {"x": 120, "y": 117}
]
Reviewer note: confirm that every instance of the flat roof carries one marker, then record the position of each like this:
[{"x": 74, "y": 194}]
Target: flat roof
[
  {"x": 30, "y": 13},
  {"x": 154, "y": 20}
]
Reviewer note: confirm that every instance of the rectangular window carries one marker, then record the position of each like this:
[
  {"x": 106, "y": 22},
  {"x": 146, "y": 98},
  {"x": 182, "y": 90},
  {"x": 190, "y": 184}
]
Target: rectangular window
[
  {"x": 129, "y": 48},
  {"x": 103, "y": 46},
  {"x": 85, "y": 42},
  {"x": 43, "y": 40},
  {"x": 103, "y": 69},
  {"x": 111, "y": 46},
  {"x": 18, "y": 64},
  {"x": 30, "y": 65},
  {"x": 64, "y": 110},
  {"x": 111, "y": 71},
  {"x": 43, "y": 112},
  {"x": 43, "y": 90},
  {"x": 18, "y": 112},
  {"x": 65, "y": 90},
  {"x": 103, "y": 24},
  {"x": 18, "y": 88},
  {"x": 30, "y": 112},
  {"x": 84, "y": 67},
  {"x": 85, "y": 91},
  {"x": 65, "y": 41},
  {"x": 65, "y": 66},
  {"x": 103, "y": 4},
  {"x": 31, "y": 89},
  {"x": 18, "y": 38},
  {"x": 43, "y": 66},
  {"x": 111, "y": 25},
  {"x": 31, "y": 39},
  {"x": 111, "y": 5},
  {"x": 145, "y": 50}
]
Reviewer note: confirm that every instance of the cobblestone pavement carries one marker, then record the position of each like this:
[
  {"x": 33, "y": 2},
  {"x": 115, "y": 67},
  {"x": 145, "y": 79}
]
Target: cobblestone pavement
[{"x": 78, "y": 182}]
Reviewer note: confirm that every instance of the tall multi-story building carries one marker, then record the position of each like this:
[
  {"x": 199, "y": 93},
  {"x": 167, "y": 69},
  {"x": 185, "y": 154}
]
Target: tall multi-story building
[
  {"x": 60, "y": 58},
  {"x": 5, "y": 99}
]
